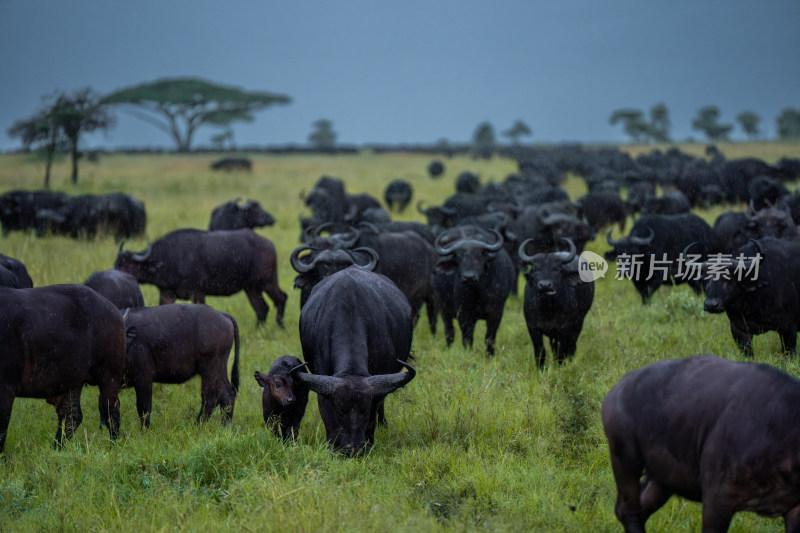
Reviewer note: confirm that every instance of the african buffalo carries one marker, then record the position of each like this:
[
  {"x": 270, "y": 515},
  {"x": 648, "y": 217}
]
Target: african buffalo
[
  {"x": 757, "y": 300},
  {"x": 397, "y": 194},
  {"x": 55, "y": 339},
  {"x": 120, "y": 288},
  {"x": 232, "y": 163},
  {"x": 190, "y": 264},
  {"x": 173, "y": 343},
  {"x": 556, "y": 301},
  {"x": 473, "y": 278},
  {"x": 355, "y": 331},
  {"x": 719, "y": 432},
  {"x": 284, "y": 399},
  {"x": 653, "y": 251},
  {"x": 233, "y": 215}
]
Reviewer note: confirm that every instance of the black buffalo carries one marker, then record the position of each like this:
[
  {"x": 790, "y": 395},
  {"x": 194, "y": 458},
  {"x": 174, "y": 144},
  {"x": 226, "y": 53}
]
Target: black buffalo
[
  {"x": 397, "y": 194},
  {"x": 232, "y": 163},
  {"x": 14, "y": 274},
  {"x": 660, "y": 241},
  {"x": 719, "y": 432},
  {"x": 120, "y": 288},
  {"x": 355, "y": 331},
  {"x": 284, "y": 399},
  {"x": 190, "y": 264},
  {"x": 473, "y": 278},
  {"x": 757, "y": 301},
  {"x": 55, "y": 339},
  {"x": 235, "y": 215},
  {"x": 173, "y": 343},
  {"x": 556, "y": 301}
]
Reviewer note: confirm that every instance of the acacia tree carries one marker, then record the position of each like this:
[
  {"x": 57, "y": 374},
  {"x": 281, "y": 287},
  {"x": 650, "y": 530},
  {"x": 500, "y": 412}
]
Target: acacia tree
[
  {"x": 639, "y": 129},
  {"x": 42, "y": 133},
  {"x": 707, "y": 121},
  {"x": 748, "y": 120},
  {"x": 322, "y": 137},
  {"x": 788, "y": 123},
  {"x": 516, "y": 131},
  {"x": 77, "y": 113},
  {"x": 483, "y": 140},
  {"x": 179, "y": 106}
]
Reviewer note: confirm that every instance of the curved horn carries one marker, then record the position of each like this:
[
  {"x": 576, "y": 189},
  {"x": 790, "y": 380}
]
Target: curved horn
[
  {"x": 613, "y": 242},
  {"x": 420, "y": 209},
  {"x": 372, "y": 263},
  {"x": 541, "y": 214},
  {"x": 297, "y": 368},
  {"x": 566, "y": 257},
  {"x": 299, "y": 265},
  {"x": 643, "y": 241},
  {"x": 493, "y": 247},
  {"x": 750, "y": 213},
  {"x": 237, "y": 200},
  {"x": 444, "y": 250},
  {"x": 143, "y": 256},
  {"x": 347, "y": 239},
  {"x": 368, "y": 225},
  {"x": 384, "y": 384},
  {"x": 685, "y": 251},
  {"x": 322, "y": 385},
  {"x": 521, "y": 251},
  {"x": 119, "y": 250}
]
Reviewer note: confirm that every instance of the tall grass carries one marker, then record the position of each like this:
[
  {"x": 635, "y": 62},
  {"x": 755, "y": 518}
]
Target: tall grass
[{"x": 472, "y": 443}]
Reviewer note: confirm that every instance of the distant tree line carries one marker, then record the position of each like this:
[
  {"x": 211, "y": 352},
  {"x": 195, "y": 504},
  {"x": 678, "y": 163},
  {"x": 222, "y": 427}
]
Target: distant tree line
[{"x": 707, "y": 121}]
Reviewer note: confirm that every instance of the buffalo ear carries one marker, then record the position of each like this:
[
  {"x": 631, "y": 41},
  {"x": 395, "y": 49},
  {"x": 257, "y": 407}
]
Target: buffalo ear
[{"x": 261, "y": 379}]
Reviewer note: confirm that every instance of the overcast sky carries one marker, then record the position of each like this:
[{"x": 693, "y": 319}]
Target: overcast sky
[{"x": 413, "y": 71}]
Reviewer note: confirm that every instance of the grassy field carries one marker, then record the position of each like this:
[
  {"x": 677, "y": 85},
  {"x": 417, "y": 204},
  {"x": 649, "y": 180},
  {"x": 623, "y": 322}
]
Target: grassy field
[{"x": 472, "y": 443}]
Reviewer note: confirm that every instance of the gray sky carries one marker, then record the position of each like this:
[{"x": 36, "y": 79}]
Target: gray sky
[{"x": 413, "y": 71}]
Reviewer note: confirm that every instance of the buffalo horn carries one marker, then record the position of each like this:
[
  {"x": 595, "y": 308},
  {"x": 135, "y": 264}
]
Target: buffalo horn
[
  {"x": 643, "y": 241},
  {"x": 384, "y": 384},
  {"x": 521, "y": 251},
  {"x": 566, "y": 257},
  {"x": 297, "y": 264},
  {"x": 420, "y": 208},
  {"x": 119, "y": 251},
  {"x": 373, "y": 260},
  {"x": 143, "y": 256},
  {"x": 322, "y": 385},
  {"x": 613, "y": 242}
]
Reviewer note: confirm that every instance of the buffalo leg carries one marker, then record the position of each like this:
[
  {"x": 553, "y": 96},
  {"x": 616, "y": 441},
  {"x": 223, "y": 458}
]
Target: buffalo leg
[
  {"x": 430, "y": 308},
  {"x": 258, "y": 304},
  {"x": 210, "y": 398},
  {"x": 278, "y": 298},
  {"x": 743, "y": 339},
  {"x": 789, "y": 339},
  {"x": 6, "y": 403},
  {"x": 716, "y": 516},
  {"x": 166, "y": 297},
  {"x": 791, "y": 520},
  {"x": 467, "y": 326},
  {"x": 144, "y": 400},
  {"x": 381, "y": 414},
  {"x": 68, "y": 409},
  {"x": 538, "y": 346},
  {"x": 492, "y": 326},
  {"x": 109, "y": 406},
  {"x": 653, "y": 497},
  {"x": 226, "y": 403},
  {"x": 627, "y": 472},
  {"x": 567, "y": 343},
  {"x": 449, "y": 329}
]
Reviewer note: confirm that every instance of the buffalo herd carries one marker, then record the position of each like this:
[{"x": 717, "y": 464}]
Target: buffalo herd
[{"x": 364, "y": 278}]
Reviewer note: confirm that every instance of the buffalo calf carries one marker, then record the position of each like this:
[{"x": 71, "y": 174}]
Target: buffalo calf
[{"x": 284, "y": 399}]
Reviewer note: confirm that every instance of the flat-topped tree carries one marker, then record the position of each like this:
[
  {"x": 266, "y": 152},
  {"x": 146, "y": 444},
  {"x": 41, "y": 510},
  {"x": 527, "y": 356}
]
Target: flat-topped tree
[{"x": 179, "y": 106}]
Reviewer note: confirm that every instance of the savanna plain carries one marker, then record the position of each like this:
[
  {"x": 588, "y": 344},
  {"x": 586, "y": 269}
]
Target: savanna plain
[{"x": 473, "y": 443}]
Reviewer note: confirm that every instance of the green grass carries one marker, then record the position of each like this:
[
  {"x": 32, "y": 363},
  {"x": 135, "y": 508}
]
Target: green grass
[{"x": 472, "y": 443}]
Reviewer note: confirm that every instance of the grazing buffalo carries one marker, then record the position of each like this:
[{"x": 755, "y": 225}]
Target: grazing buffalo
[
  {"x": 671, "y": 203},
  {"x": 758, "y": 300},
  {"x": 120, "y": 288},
  {"x": 473, "y": 278},
  {"x": 435, "y": 168},
  {"x": 653, "y": 253},
  {"x": 556, "y": 301},
  {"x": 14, "y": 274},
  {"x": 397, "y": 194},
  {"x": 233, "y": 215},
  {"x": 719, "y": 432},
  {"x": 232, "y": 163},
  {"x": 603, "y": 208},
  {"x": 173, "y": 343},
  {"x": 55, "y": 339},
  {"x": 190, "y": 264},
  {"x": 284, "y": 398},
  {"x": 355, "y": 331}
]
